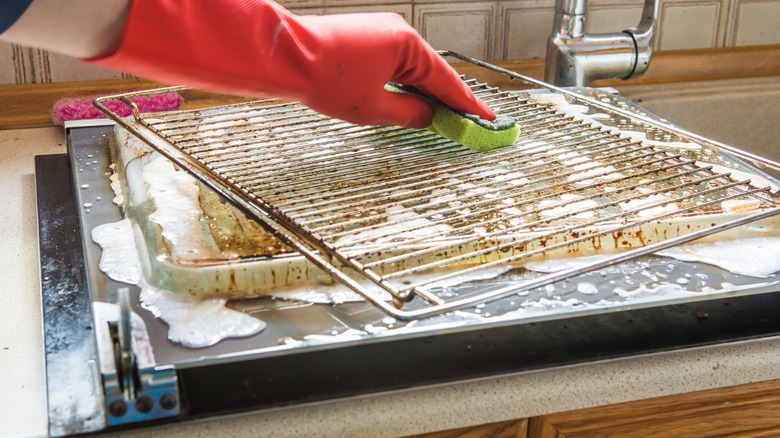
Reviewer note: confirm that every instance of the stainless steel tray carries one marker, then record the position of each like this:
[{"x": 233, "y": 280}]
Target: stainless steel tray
[
  {"x": 309, "y": 353},
  {"x": 295, "y": 326},
  {"x": 413, "y": 210}
]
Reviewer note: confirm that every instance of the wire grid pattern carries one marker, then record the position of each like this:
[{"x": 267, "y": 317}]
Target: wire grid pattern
[{"x": 409, "y": 208}]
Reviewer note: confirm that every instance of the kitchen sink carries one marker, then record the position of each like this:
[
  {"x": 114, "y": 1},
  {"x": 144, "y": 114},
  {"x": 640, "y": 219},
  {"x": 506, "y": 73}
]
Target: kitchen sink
[{"x": 743, "y": 113}]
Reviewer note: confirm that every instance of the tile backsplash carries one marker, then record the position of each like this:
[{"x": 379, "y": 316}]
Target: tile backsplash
[{"x": 489, "y": 30}]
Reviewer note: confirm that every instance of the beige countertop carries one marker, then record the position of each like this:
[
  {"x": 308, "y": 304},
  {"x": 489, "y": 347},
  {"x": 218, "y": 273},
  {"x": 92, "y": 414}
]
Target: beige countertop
[{"x": 22, "y": 378}]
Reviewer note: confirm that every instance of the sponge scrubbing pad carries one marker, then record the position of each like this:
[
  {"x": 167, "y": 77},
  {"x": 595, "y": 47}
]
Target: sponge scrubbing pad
[
  {"x": 467, "y": 129},
  {"x": 472, "y": 131}
]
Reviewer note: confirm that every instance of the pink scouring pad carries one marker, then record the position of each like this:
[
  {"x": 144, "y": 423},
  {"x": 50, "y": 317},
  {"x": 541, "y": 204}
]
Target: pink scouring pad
[{"x": 81, "y": 108}]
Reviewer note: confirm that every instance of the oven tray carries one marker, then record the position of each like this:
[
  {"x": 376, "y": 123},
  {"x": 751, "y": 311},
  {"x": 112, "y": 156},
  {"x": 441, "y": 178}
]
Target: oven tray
[
  {"x": 268, "y": 371},
  {"x": 236, "y": 258},
  {"x": 411, "y": 212},
  {"x": 297, "y": 326}
]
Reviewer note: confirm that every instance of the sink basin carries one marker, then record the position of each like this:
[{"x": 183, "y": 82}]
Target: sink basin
[{"x": 744, "y": 113}]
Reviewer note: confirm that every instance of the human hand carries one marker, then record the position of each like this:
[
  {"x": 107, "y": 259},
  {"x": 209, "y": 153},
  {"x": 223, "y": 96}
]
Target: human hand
[
  {"x": 337, "y": 65},
  {"x": 357, "y": 54}
]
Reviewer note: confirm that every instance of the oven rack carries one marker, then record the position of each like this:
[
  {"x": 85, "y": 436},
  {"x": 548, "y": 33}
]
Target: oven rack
[{"x": 396, "y": 212}]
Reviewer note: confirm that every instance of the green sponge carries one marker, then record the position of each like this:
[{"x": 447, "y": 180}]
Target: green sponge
[{"x": 467, "y": 129}]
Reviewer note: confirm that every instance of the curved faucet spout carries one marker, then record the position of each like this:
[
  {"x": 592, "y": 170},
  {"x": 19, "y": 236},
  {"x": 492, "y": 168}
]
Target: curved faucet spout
[
  {"x": 644, "y": 35},
  {"x": 575, "y": 58}
]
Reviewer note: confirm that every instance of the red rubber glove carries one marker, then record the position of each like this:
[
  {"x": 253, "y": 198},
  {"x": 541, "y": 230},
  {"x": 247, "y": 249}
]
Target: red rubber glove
[{"x": 337, "y": 65}]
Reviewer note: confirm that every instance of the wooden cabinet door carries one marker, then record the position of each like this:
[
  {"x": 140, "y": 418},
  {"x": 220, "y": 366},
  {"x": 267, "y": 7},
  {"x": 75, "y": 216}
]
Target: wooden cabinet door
[
  {"x": 751, "y": 410},
  {"x": 504, "y": 429}
]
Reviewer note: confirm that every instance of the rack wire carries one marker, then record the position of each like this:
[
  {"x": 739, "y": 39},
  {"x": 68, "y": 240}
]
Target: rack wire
[{"x": 393, "y": 212}]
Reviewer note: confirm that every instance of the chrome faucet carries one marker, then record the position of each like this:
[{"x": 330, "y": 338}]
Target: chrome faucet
[{"x": 575, "y": 58}]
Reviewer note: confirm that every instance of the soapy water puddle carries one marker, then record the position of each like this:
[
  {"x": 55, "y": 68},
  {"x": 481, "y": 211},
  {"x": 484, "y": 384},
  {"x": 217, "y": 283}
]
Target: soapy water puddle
[
  {"x": 643, "y": 281},
  {"x": 196, "y": 322},
  {"x": 192, "y": 322}
]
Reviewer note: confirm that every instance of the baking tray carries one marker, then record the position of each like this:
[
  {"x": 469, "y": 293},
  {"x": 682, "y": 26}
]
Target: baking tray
[
  {"x": 238, "y": 376},
  {"x": 269, "y": 371},
  {"x": 295, "y": 325},
  {"x": 224, "y": 147}
]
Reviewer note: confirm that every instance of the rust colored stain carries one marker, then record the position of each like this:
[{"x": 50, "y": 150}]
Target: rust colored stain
[{"x": 640, "y": 236}]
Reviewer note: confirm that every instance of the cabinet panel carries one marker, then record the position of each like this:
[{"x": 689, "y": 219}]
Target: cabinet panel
[
  {"x": 745, "y": 410},
  {"x": 504, "y": 429},
  {"x": 755, "y": 22},
  {"x": 467, "y": 28}
]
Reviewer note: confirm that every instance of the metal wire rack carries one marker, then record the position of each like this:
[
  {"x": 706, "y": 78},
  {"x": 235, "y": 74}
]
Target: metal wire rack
[{"x": 392, "y": 212}]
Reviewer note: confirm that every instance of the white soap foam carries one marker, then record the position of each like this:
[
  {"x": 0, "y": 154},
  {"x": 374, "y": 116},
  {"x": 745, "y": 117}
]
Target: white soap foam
[
  {"x": 645, "y": 209},
  {"x": 198, "y": 323},
  {"x": 400, "y": 222},
  {"x": 116, "y": 186},
  {"x": 755, "y": 180},
  {"x": 587, "y": 288},
  {"x": 119, "y": 259},
  {"x": 571, "y": 204},
  {"x": 580, "y": 111},
  {"x": 192, "y": 322},
  {"x": 178, "y": 213},
  {"x": 754, "y": 257}
]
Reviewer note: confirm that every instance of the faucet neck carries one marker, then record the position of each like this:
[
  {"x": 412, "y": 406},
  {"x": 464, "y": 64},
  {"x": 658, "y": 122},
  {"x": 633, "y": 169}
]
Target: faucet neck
[
  {"x": 575, "y": 58},
  {"x": 571, "y": 7}
]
